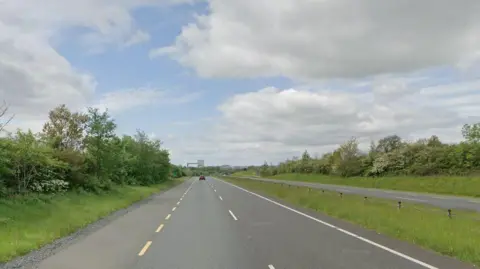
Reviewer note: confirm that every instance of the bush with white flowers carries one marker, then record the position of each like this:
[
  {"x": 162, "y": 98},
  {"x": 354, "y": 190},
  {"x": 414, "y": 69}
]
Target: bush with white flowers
[{"x": 49, "y": 186}]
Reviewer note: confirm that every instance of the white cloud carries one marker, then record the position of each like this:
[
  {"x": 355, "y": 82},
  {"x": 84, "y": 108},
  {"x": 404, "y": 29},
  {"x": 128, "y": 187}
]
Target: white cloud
[
  {"x": 137, "y": 38},
  {"x": 273, "y": 124},
  {"x": 329, "y": 38},
  {"x": 124, "y": 100},
  {"x": 380, "y": 47},
  {"x": 185, "y": 98},
  {"x": 34, "y": 77}
]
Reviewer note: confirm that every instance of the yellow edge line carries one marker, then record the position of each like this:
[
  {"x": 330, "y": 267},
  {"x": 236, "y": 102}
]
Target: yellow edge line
[
  {"x": 159, "y": 228},
  {"x": 145, "y": 248}
]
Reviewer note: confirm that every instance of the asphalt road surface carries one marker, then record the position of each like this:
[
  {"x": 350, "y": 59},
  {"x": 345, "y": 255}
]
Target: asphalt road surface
[
  {"x": 212, "y": 224},
  {"x": 443, "y": 201}
]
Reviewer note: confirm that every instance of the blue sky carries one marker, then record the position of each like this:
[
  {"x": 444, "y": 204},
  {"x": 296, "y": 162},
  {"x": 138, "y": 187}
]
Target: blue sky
[
  {"x": 131, "y": 67},
  {"x": 234, "y": 82}
]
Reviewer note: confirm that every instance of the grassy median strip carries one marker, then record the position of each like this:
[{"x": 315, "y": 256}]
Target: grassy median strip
[
  {"x": 248, "y": 173},
  {"x": 429, "y": 227},
  {"x": 450, "y": 185},
  {"x": 27, "y": 223}
]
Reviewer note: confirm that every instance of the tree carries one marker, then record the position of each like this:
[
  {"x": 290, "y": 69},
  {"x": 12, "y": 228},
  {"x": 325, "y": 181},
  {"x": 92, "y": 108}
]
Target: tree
[
  {"x": 264, "y": 171},
  {"x": 152, "y": 161},
  {"x": 79, "y": 151},
  {"x": 31, "y": 161},
  {"x": 471, "y": 132},
  {"x": 65, "y": 130},
  {"x": 100, "y": 132},
  {"x": 434, "y": 141},
  {"x": 305, "y": 165},
  {"x": 346, "y": 159},
  {"x": 349, "y": 150},
  {"x": 389, "y": 143},
  {"x": 306, "y": 156}
]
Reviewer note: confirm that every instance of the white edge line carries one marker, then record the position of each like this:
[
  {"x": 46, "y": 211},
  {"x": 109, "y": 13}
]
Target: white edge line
[
  {"x": 233, "y": 216},
  {"x": 271, "y": 266},
  {"x": 410, "y": 199},
  {"x": 344, "y": 191},
  {"x": 426, "y": 265}
]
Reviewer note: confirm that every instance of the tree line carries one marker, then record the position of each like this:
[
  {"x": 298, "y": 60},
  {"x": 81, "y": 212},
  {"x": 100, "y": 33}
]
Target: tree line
[
  {"x": 78, "y": 151},
  {"x": 391, "y": 156},
  {"x": 198, "y": 171}
]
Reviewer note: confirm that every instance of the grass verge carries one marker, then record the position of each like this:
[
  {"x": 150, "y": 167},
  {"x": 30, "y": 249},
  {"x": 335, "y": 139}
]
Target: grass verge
[
  {"x": 449, "y": 185},
  {"x": 426, "y": 226},
  {"x": 248, "y": 173},
  {"x": 28, "y": 223}
]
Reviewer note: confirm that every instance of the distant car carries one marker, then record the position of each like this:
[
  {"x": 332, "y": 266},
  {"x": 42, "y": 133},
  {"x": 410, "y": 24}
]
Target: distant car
[{"x": 202, "y": 177}]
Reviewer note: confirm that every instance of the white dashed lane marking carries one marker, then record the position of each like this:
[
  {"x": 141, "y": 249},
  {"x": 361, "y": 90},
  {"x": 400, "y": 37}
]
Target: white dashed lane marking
[
  {"x": 370, "y": 242},
  {"x": 233, "y": 216}
]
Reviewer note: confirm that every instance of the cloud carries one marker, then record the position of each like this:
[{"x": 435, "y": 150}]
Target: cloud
[
  {"x": 137, "y": 38},
  {"x": 34, "y": 77},
  {"x": 274, "y": 124},
  {"x": 185, "y": 98},
  {"x": 323, "y": 39},
  {"x": 124, "y": 100},
  {"x": 118, "y": 101}
]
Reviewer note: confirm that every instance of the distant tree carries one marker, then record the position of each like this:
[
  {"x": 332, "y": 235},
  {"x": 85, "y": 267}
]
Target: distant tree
[
  {"x": 471, "y": 132},
  {"x": 65, "y": 130},
  {"x": 389, "y": 144},
  {"x": 349, "y": 150},
  {"x": 306, "y": 156},
  {"x": 100, "y": 131},
  {"x": 434, "y": 141},
  {"x": 346, "y": 159}
]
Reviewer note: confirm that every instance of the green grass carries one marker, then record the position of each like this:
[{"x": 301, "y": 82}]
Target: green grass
[
  {"x": 27, "y": 223},
  {"x": 426, "y": 226},
  {"x": 248, "y": 173},
  {"x": 449, "y": 185}
]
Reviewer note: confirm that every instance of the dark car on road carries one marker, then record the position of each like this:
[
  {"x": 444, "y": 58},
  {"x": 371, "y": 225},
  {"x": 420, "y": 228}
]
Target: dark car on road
[{"x": 202, "y": 177}]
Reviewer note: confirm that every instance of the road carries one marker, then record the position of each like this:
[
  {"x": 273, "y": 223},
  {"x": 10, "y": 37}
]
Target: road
[
  {"x": 442, "y": 201},
  {"x": 212, "y": 224}
]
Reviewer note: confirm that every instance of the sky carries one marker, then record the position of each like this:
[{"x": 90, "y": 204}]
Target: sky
[{"x": 243, "y": 82}]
